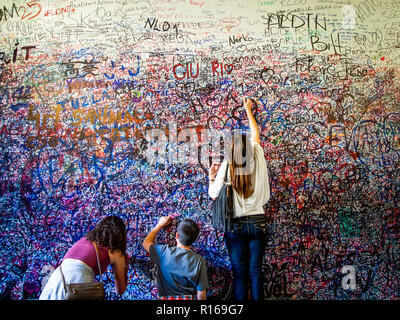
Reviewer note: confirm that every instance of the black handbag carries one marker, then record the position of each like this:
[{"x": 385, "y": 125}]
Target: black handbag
[
  {"x": 222, "y": 207},
  {"x": 84, "y": 291}
]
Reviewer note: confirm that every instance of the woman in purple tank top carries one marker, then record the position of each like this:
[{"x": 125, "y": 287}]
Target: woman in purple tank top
[{"x": 80, "y": 264}]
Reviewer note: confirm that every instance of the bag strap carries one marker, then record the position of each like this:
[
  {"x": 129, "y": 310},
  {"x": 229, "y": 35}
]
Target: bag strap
[
  {"x": 98, "y": 265},
  {"x": 229, "y": 202},
  {"x": 98, "y": 261},
  {"x": 226, "y": 173}
]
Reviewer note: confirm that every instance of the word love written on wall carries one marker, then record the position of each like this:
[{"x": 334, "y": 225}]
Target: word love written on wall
[{"x": 118, "y": 107}]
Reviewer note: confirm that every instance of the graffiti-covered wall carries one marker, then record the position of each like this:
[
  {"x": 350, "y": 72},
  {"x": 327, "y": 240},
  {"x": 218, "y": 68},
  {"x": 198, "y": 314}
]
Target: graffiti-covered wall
[{"x": 85, "y": 84}]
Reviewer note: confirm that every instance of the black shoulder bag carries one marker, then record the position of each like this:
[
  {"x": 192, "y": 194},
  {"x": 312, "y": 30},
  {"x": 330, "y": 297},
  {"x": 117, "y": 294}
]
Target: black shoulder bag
[{"x": 222, "y": 207}]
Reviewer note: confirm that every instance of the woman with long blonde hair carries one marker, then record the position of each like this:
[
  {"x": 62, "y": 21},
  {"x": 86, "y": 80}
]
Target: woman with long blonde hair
[{"x": 248, "y": 175}]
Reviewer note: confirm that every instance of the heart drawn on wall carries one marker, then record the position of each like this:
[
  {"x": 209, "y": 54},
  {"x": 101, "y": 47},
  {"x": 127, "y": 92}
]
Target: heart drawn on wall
[{"x": 228, "y": 68}]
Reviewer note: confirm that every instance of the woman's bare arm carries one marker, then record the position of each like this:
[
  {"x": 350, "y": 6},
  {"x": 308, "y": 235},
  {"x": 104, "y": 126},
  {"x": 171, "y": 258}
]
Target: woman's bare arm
[
  {"x": 255, "y": 135},
  {"x": 120, "y": 264}
]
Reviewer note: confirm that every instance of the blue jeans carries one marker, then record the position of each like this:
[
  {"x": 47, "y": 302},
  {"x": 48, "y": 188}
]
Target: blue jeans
[{"x": 246, "y": 244}]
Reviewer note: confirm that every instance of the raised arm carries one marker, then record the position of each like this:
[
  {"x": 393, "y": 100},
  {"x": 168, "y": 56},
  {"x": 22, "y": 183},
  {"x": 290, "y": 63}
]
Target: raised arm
[
  {"x": 255, "y": 135},
  {"x": 149, "y": 240}
]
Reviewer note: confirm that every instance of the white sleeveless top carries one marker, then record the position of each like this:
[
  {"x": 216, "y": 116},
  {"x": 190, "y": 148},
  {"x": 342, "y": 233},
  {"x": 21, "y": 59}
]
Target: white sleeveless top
[{"x": 253, "y": 204}]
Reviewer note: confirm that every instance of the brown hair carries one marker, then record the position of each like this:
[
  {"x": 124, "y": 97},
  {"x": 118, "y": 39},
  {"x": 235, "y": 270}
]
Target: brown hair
[
  {"x": 240, "y": 170},
  {"x": 109, "y": 232},
  {"x": 187, "y": 231}
]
